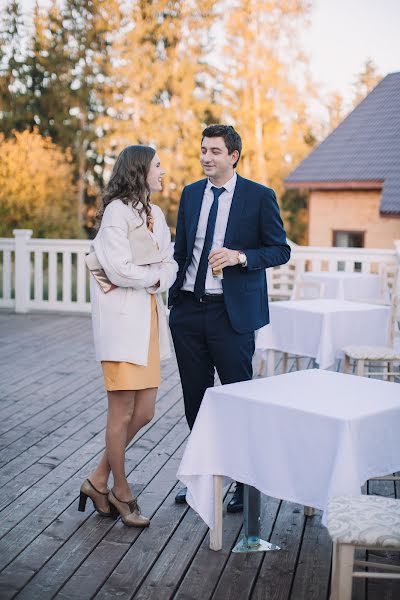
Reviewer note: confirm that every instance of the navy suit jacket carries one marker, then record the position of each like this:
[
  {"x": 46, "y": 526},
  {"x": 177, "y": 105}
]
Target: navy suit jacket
[{"x": 255, "y": 227}]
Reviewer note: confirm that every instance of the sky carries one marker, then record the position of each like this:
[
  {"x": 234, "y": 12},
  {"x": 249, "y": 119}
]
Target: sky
[{"x": 342, "y": 35}]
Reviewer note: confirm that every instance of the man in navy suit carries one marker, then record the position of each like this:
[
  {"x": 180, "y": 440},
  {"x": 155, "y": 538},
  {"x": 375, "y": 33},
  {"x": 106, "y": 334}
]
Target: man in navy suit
[{"x": 230, "y": 223}]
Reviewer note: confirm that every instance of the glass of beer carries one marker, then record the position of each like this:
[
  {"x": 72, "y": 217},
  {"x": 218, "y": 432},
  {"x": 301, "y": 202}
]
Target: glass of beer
[{"x": 217, "y": 271}]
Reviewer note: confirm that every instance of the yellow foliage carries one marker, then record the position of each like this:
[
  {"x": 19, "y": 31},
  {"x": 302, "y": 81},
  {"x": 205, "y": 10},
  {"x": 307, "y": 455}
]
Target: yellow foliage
[
  {"x": 167, "y": 100},
  {"x": 266, "y": 86},
  {"x": 36, "y": 187}
]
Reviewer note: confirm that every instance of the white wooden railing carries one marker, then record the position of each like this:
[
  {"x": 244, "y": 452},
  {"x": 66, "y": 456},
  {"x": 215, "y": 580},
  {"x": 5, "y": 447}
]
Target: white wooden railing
[
  {"x": 50, "y": 275},
  {"x": 317, "y": 259},
  {"x": 44, "y": 274}
]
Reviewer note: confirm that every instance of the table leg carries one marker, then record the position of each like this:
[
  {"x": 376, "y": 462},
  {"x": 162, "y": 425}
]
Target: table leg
[
  {"x": 216, "y": 533},
  {"x": 251, "y": 541}
]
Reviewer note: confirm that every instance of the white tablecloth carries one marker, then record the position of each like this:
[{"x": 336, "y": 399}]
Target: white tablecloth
[
  {"x": 346, "y": 286},
  {"x": 320, "y": 328},
  {"x": 304, "y": 437}
]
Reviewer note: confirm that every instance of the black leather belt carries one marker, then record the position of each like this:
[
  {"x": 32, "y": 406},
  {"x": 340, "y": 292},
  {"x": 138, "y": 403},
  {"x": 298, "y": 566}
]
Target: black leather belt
[{"x": 206, "y": 299}]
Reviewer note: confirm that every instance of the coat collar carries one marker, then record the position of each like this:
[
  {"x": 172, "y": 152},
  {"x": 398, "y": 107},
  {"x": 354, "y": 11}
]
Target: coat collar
[{"x": 235, "y": 212}]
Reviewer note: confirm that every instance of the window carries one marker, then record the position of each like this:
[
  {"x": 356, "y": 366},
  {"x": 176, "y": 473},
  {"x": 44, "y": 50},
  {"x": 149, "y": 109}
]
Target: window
[{"x": 348, "y": 239}]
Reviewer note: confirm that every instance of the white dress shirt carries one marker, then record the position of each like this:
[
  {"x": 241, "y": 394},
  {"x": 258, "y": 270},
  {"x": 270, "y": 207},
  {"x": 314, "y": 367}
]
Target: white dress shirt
[{"x": 213, "y": 285}]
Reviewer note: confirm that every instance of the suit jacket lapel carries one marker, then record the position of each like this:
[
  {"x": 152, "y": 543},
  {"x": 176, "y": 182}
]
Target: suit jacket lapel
[
  {"x": 235, "y": 212},
  {"x": 196, "y": 199}
]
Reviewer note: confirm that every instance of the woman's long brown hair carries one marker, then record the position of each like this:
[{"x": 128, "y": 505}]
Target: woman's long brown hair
[{"x": 128, "y": 181}]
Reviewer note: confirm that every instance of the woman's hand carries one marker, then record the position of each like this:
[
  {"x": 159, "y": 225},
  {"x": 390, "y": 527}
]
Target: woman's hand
[{"x": 150, "y": 222}]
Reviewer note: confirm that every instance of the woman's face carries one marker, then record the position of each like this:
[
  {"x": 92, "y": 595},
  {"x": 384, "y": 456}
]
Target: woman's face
[{"x": 155, "y": 174}]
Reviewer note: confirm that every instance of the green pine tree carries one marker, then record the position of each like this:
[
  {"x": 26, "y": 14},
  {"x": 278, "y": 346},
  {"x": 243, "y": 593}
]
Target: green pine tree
[{"x": 13, "y": 114}]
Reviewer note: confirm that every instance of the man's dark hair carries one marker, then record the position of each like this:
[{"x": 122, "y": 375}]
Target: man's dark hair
[{"x": 231, "y": 137}]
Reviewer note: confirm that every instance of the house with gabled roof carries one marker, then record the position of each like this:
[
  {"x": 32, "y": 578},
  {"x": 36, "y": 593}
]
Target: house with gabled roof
[{"x": 353, "y": 176}]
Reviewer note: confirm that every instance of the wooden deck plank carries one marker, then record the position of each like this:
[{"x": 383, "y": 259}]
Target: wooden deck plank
[
  {"x": 311, "y": 580},
  {"x": 42, "y": 547},
  {"x": 51, "y": 436},
  {"x": 278, "y": 568},
  {"x": 194, "y": 583},
  {"x": 75, "y": 462},
  {"x": 78, "y": 558},
  {"x": 241, "y": 570}
]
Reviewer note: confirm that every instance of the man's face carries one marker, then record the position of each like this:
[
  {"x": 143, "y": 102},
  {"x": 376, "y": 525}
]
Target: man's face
[{"x": 215, "y": 159}]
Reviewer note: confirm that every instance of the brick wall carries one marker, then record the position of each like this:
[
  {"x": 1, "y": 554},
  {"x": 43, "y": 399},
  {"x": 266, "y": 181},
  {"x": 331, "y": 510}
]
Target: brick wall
[{"x": 353, "y": 210}]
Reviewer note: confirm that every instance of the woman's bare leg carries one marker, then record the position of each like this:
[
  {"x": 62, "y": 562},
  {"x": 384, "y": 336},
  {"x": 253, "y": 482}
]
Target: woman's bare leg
[{"x": 143, "y": 412}]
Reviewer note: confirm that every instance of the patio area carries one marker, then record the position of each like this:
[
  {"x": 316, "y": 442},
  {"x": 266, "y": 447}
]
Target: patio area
[{"x": 52, "y": 431}]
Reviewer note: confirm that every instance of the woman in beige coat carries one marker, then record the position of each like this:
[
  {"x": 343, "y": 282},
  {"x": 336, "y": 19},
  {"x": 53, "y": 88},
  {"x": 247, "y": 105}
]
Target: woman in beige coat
[{"x": 133, "y": 246}]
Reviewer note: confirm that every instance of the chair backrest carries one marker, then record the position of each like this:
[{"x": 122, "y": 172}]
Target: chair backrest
[
  {"x": 281, "y": 281},
  {"x": 394, "y": 320},
  {"x": 389, "y": 280},
  {"x": 308, "y": 289}
]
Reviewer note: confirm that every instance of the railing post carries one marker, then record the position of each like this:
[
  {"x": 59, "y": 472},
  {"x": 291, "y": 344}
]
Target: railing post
[
  {"x": 22, "y": 269},
  {"x": 397, "y": 248}
]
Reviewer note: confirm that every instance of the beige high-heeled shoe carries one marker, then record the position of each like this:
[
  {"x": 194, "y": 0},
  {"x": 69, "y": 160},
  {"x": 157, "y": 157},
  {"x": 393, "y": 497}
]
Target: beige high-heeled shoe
[
  {"x": 129, "y": 511},
  {"x": 99, "y": 499}
]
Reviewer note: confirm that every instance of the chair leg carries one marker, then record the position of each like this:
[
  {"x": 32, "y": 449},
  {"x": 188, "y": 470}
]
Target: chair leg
[
  {"x": 360, "y": 367},
  {"x": 346, "y": 364},
  {"x": 309, "y": 511},
  {"x": 216, "y": 533},
  {"x": 297, "y": 363},
  {"x": 342, "y": 574},
  {"x": 270, "y": 362},
  {"x": 261, "y": 367},
  {"x": 335, "y": 573},
  {"x": 284, "y": 362}
]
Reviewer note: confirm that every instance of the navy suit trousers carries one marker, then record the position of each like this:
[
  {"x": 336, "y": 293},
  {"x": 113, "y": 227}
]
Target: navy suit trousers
[{"x": 204, "y": 340}]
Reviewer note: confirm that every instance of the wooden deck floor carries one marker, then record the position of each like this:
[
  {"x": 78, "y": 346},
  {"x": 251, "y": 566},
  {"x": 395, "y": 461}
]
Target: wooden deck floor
[{"x": 53, "y": 410}]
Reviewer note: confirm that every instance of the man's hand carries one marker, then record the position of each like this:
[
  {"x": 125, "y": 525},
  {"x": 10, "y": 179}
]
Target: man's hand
[{"x": 223, "y": 257}]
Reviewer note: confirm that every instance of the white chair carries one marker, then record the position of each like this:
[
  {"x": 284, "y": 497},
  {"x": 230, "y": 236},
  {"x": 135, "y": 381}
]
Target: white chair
[
  {"x": 362, "y": 357},
  {"x": 281, "y": 281},
  {"x": 366, "y": 522},
  {"x": 389, "y": 281},
  {"x": 302, "y": 290},
  {"x": 308, "y": 289},
  {"x": 299, "y": 292}
]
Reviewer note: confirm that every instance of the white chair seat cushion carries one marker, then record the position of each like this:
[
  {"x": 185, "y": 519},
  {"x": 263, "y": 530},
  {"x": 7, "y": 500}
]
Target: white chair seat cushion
[
  {"x": 364, "y": 521},
  {"x": 372, "y": 352}
]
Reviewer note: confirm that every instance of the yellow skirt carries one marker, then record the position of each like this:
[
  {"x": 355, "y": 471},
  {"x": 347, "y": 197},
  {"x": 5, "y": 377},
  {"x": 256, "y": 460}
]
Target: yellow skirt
[{"x": 128, "y": 376}]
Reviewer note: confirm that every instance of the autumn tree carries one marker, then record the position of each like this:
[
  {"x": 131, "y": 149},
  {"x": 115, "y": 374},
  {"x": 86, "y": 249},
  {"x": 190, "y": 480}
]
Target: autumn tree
[
  {"x": 13, "y": 114},
  {"x": 336, "y": 110},
  {"x": 168, "y": 86},
  {"x": 70, "y": 82},
  {"x": 265, "y": 87},
  {"x": 365, "y": 81},
  {"x": 36, "y": 187}
]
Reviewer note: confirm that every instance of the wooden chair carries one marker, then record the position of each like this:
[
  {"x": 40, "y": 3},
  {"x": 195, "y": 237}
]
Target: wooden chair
[
  {"x": 365, "y": 522},
  {"x": 300, "y": 290},
  {"x": 389, "y": 281},
  {"x": 281, "y": 281},
  {"x": 362, "y": 357},
  {"x": 298, "y": 293}
]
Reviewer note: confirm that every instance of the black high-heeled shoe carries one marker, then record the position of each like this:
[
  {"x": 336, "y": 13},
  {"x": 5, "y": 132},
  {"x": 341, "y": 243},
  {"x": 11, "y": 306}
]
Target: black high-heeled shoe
[{"x": 99, "y": 499}]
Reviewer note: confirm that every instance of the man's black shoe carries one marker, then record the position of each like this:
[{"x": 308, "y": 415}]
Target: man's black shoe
[
  {"x": 180, "y": 498},
  {"x": 235, "y": 504}
]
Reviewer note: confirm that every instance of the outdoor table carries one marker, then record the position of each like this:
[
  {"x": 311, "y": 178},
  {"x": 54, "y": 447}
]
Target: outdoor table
[
  {"x": 303, "y": 437},
  {"x": 340, "y": 285},
  {"x": 320, "y": 328}
]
